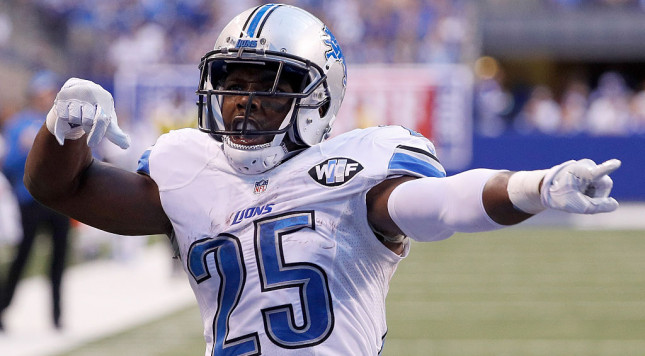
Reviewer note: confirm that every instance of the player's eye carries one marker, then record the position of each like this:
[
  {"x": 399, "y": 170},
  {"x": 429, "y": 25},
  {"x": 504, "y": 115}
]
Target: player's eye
[
  {"x": 233, "y": 86},
  {"x": 284, "y": 87}
]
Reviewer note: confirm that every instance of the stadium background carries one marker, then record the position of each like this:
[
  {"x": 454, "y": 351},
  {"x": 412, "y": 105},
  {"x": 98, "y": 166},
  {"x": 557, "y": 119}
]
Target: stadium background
[
  {"x": 496, "y": 83},
  {"x": 554, "y": 79}
]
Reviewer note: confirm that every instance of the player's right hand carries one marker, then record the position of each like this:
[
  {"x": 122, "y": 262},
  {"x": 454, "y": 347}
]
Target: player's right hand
[{"x": 84, "y": 107}]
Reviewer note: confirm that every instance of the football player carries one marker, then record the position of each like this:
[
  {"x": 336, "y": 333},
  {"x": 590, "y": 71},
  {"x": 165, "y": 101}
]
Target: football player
[{"x": 289, "y": 240}]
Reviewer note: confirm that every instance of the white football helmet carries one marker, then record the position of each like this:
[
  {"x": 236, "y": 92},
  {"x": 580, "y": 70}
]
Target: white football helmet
[{"x": 294, "y": 42}]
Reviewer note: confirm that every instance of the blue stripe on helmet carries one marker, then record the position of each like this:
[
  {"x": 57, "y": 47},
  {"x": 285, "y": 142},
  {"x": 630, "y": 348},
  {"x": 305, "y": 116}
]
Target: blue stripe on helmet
[
  {"x": 256, "y": 19},
  {"x": 401, "y": 161}
]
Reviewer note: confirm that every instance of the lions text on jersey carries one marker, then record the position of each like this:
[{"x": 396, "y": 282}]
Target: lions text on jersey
[{"x": 284, "y": 262}]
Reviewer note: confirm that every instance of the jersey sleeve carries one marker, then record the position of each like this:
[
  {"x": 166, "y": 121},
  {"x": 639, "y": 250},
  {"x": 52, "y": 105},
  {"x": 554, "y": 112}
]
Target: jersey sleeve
[
  {"x": 410, "y": 153},
  {"x": 175, "y": 159}
]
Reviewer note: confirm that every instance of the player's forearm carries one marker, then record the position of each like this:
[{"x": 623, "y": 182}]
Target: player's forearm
[
  {"x": 482, "y": 199},
  {"x": 497, "y": 203},
  {"x": 52, "y": 171},
  {"x": 431, "y": 209}
]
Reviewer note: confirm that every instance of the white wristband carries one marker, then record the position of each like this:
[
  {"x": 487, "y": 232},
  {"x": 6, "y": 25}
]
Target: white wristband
[{"x": 524, "y": 190}]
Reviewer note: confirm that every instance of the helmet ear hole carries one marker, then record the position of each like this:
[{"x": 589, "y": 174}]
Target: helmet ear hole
[{"x": 324, "y": 108}]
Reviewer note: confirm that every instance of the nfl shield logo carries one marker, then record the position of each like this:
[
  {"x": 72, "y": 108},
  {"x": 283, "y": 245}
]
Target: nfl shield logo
[{"x": 261, "y": 186}]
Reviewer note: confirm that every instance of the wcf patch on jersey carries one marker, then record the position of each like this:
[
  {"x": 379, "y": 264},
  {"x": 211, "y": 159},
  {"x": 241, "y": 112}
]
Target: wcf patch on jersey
[{"x": 335, "y": 171}]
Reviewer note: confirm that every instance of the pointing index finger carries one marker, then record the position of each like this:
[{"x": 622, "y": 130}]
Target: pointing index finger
[{"x": 605, "y": 168}]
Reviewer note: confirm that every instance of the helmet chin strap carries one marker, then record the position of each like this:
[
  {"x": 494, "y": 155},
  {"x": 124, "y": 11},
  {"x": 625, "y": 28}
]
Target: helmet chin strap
[{"x": 254, "y": 159}]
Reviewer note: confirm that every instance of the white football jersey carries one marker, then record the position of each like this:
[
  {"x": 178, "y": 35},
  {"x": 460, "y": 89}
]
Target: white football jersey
[{"x": 284, "y": 262}]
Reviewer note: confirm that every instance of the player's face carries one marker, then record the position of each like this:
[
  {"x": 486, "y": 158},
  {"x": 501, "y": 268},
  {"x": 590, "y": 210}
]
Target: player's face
[{"x": 266, "y": 113}]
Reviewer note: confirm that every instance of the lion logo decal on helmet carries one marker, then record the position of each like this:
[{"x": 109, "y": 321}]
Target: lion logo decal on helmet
[{"x": 334, "y": 51}]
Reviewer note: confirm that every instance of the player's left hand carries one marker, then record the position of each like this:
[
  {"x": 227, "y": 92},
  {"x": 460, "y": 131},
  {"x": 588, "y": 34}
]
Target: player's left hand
[{"x": 581, "y": 187}]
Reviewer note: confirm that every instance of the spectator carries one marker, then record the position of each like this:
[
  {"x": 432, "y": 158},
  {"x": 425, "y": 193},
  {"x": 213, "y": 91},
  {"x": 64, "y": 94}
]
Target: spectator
[
  {"x": 20, "y": 132},
  {"x": 541, "y": 113},
  {"x": 637, "y": 107},
  {"x": 10, "y": 229},
  {"x": 574, "y": 107},
  {"x": 492, "y": 101},
  {"x": 609, "y": 108}
]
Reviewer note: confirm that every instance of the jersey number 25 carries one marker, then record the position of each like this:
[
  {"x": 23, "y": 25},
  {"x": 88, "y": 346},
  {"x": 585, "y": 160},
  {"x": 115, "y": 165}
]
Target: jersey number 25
[{"x": 279, "y": 321}]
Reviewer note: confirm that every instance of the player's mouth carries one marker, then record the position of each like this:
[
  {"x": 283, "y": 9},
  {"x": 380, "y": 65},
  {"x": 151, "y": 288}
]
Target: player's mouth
[{"x": 239, "y": 123}]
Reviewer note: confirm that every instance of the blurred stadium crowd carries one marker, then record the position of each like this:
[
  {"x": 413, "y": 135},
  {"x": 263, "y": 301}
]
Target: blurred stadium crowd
[
  {"x": 611, "y": 108},
  {"x": 93, "y": 39}
]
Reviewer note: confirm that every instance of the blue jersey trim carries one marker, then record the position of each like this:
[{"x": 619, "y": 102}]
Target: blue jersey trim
[
  {"x": 401, "y": 161},
  {"x": 144, "y": 164}
]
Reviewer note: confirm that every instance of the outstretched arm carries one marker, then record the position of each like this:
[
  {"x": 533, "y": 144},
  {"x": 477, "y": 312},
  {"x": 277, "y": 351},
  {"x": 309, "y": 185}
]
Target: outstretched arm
[
  {"x": 430, "y": 209},
  {"x": 61, "y": 173}
]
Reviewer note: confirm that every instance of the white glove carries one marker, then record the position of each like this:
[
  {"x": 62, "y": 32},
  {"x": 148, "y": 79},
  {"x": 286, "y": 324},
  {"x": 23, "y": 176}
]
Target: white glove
[
  {"x": 81, "y": 107},
  {"x": 581, "y": 187}
]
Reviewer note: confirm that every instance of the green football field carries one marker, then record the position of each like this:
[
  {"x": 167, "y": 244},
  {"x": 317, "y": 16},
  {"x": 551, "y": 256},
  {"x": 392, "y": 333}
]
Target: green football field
[{"x": 511, "y": 292}]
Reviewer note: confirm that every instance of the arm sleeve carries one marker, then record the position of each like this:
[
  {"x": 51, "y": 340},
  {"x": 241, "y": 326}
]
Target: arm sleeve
[{"x": 432, "y": 209}]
